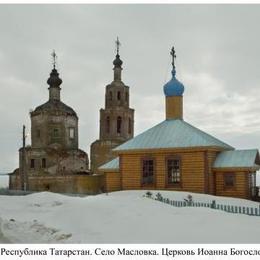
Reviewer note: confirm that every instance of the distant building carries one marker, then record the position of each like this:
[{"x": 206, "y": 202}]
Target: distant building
[
  {"x": 175, "y": 155},
  {"x": 53, "y": 161},
  {"x": 116, "y": 120}
]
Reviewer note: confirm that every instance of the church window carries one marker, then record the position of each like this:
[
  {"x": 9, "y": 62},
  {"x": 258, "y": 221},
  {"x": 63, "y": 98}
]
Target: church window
[
  {"x": 148, "y": 171},
  {"x": 229, "y": 180},
  {"x": 118, "y": 95},
  {"x": 129, "y": 126},
  {"x": 110, "y": 95},
  {"x": 55, "y": 132},
  {"x": 43, "y": 163},
  {"x": 173, "y": 171},
  {"x": 119, "y": 124},
  {"x": 108, "y": 125},
  {"x": 38, "y": 133},
  {"x": 72, "y": 132},
  {"x": 126, "y": 97},
  {"x": 32, "y": 164}
]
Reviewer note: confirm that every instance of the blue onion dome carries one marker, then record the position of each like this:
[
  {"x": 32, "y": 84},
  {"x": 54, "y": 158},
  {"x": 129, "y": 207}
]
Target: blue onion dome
[{"x": 174, "y": 87}]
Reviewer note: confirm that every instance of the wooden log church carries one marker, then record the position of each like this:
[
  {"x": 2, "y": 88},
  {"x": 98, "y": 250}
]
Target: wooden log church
[{"x": 174, "y": 155}]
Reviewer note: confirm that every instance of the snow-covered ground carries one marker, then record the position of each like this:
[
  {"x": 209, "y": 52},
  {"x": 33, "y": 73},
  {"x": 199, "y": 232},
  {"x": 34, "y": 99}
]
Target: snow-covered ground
[{"x": 122, "y": 217}]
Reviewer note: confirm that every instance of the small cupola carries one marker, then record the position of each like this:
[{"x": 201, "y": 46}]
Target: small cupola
[
  {"x": 173, "y": 91},
  {"x": 54, "y": 81},
  {"x": 117, "y": 63}
]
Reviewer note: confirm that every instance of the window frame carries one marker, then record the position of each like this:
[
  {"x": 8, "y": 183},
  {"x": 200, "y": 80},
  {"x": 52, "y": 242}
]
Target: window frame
[
  {"x": 107, "y": 124},
  {"x": 118, "y": 95},
  {"x": 129, "y": 126},
  {"x": 225, "y": 177},
  {"x": 74, "y": 133},
  {"x": 174, "y": 158},
  {"x": 44, "y": 163},
  {"x": 56, "y": 133},
  {"x": 38, "y": 133},
  {"x": 32, "y": 163},
  {"x": 119, "y": 125},
  {"x": 153, "y": 182}
]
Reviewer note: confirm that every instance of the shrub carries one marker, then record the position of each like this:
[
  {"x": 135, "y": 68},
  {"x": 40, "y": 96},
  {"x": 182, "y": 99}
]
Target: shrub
[
  {"x": 159, "y": 196},
  {"x": 148, "y": 194}
]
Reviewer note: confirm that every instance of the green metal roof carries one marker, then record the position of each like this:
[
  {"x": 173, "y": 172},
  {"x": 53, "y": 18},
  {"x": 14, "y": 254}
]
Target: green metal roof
[
  {"x": 111, "y": 165},
  {"x": 237, "y": 159},
  {"x": 172, "y": 134}
]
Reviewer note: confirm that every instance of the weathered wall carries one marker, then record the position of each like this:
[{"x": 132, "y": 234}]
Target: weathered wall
[
  {"x": 101, "y": 152},
  {"x": 82, "y": 184},
  {"x": 57, "y": 161},
  {"x": 43, "y": 125}
]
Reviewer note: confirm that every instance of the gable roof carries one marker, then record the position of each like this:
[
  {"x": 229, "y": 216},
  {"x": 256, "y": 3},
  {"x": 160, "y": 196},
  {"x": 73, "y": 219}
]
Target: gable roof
[
  {"x": 111, "y": 165},
  {"x": 237, "y": 159},
  {"x": 174, "y": 133}
]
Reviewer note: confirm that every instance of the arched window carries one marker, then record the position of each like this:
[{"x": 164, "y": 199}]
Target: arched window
[
  {"x": 119, "y": 124},
  {"x": 118, "y": 95},
  {"x": 43, "y": 162},
  {"x": 129, "y": 125},
  {"x": 126, "y": 97},
  {"x": 108, "y": 125},
  {"x": 110, "y": 95}
]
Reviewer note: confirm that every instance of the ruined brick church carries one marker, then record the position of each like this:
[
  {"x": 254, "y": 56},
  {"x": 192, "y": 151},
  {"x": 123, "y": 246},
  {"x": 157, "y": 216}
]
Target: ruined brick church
[{"x": 53, "y": 161}]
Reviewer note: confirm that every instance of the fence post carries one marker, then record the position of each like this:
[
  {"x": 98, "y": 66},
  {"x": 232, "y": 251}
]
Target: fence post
[{"x": 213, "y": 204}]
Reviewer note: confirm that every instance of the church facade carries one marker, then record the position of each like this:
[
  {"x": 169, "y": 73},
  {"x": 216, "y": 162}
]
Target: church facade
[
  {"x": 116, "y": 119},
  {"x": 174, "y": 155},
  {"x": 53, "y": 161}
]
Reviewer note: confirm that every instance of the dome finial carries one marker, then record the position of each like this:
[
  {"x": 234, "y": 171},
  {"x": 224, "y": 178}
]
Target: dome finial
[
  {"x": 173, "y": 87},
  {"x": 173, "y": 54},
  {"x": 118, "y": 43},
  {"x": 54, "y": 58},
  {"x": 117, "y": 62}
]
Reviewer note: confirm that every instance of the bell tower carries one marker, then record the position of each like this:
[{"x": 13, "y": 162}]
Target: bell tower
[{"x": 116, "y": 119}]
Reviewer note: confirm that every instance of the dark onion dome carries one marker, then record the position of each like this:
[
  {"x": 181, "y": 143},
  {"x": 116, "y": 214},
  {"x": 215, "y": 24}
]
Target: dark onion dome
[
  {"x": 117, "y": 61},
  {"x": 54, "y": 80},
  {"x": 174, "y": 87},
  {"x": 55, "y": 105}
]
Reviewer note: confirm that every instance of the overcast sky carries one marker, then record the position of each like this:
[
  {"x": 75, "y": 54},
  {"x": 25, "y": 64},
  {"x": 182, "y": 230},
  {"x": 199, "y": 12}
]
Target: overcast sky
[{"x": 218, "y": 61}]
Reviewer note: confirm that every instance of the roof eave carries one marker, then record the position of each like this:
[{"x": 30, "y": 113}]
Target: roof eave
[
  {"x": 197, "y": 148},
  {"x": 236, "y": 168}
]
